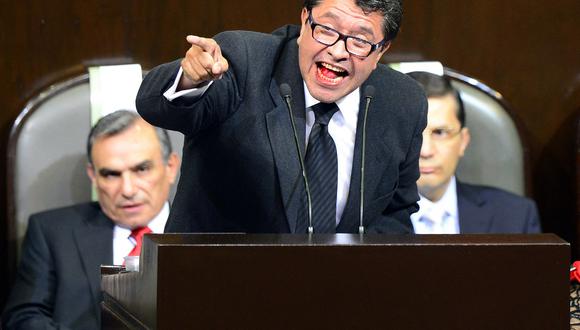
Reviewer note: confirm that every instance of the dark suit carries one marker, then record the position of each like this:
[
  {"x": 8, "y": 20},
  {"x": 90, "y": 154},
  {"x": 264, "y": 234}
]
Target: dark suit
[
  {"x": 495, "y": 211},
  {"x": 240, "y": 170},
  {"x": 58, "y": 281}
]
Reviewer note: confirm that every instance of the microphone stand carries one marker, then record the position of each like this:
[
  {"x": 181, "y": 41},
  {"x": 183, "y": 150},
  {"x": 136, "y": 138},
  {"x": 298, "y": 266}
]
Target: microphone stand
[
  {"x": 287, "y": 95},
  {"x": 369, "y": 92}
]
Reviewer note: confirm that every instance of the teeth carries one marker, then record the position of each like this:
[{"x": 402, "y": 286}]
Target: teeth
[
  {"x": 332, "y": 67},
  {"x": 335, "y": 80}
]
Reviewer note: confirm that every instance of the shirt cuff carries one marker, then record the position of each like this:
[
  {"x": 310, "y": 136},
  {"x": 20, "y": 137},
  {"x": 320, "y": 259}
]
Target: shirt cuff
[{"x": 172, "y": 93}]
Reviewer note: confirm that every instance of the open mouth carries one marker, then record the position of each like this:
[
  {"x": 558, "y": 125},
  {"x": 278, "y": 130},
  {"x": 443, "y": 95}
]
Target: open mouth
[{"x": 330, "y": 73}]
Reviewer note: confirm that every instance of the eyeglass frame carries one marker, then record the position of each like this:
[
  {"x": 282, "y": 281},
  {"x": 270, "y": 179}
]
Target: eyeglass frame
[
  {"x": 451, "y": 133},
  {"x": 343, "y": 37}
]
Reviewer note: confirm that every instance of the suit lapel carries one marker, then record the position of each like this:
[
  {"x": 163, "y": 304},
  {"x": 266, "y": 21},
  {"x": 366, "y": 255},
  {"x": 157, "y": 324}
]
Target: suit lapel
[
  {"x": 474, "y": 215},
  {"x": 288, "y": 71},
  {"x": 95, "y": 245},
  {"x": 281, "y": 134},
  {"x": 377, "y": 154}
]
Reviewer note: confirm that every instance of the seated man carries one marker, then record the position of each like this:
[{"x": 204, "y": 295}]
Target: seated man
[
  {"x": 448, "y": 206},
  {"x": 58, "y": 282}
]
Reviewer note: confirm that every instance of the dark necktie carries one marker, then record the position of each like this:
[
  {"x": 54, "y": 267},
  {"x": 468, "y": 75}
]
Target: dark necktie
[{"x": 322, "y": 170}]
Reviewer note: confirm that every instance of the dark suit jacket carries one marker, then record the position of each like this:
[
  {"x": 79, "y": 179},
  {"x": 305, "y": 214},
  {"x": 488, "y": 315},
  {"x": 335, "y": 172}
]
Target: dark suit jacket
[
  {"x": 58, "y": 281},
  {"x": 240, "y": 170},
  {"x": 495, "y": 211}
]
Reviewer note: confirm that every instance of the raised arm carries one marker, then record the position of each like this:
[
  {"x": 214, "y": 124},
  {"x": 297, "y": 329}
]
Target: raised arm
[{"x": 196, "y": 106}]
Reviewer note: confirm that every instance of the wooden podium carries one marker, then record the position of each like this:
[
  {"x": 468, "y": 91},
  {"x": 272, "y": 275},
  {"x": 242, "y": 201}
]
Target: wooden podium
[{"x": 343, "y": 281}]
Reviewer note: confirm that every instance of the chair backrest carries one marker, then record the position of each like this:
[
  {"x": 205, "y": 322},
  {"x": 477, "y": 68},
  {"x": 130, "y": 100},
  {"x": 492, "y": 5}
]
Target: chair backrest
[
  {"x": 497, "y": 155},
  {"x": 47, "y": 154}
]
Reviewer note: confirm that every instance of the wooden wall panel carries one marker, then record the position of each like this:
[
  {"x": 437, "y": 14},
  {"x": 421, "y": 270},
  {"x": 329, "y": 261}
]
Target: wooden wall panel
[{"x": 529, "y": 51}]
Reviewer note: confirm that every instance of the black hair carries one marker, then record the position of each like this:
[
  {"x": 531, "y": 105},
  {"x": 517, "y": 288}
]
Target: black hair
[
  {"x": 437, "y": 86},
  {"x": 391, "y": 10},
  {"x": 118, "y": 122}
]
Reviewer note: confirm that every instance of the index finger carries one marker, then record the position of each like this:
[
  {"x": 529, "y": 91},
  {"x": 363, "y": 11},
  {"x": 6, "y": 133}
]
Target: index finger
[{"x": 206, "y": 44}]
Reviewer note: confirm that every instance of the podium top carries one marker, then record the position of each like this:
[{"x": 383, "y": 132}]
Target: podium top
[
  {"x": 352, "y": 239},
  {"x": 289, "y": 281}
]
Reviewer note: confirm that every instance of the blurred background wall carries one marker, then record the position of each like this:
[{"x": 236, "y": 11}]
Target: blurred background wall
[{"x": 527, "y": 50}]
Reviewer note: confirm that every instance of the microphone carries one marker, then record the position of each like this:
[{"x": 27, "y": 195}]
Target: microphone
[
  {"x": 286, "y": 93},
  {"x": 369, "y": 92}
]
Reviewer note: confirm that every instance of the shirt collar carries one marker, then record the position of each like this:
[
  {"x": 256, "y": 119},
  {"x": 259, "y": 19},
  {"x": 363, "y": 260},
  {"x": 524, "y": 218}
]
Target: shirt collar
[
  {"x": 348, "y": 104},
  {"x": 446, "y": 205},
  {"x": 157, "y": 225}
]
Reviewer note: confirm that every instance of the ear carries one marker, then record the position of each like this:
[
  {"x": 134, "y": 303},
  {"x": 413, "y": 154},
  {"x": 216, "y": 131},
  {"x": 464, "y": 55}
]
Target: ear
[
  {"x": 303, "y": 19},
  {"x": 465, "y": 139},
  {"x": 382, "y": 52},
  {"x": 91, "y": 173},
  {"x": 172, "y": 167},
  {"x": 304, "y": 15},
  {"x": 385, "y": 48}
]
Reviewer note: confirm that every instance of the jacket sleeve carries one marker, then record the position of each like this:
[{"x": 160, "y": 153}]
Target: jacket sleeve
[{"x": 31, "y": 302}]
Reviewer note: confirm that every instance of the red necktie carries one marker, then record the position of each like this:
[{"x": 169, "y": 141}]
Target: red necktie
[{"x": 137, "y": 234}]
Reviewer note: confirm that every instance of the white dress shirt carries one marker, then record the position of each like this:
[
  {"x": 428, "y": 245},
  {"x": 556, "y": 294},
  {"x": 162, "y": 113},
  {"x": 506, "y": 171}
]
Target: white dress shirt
[
  {"x": 342, "y": 129},
  {"x": 123, "y": 243},
  {"x": 441, "y": 217}
]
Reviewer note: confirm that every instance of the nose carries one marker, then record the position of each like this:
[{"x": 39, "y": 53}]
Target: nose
[
  {"x": 128, "y": 188},
  {"x": 338, "y": 50},
  {"x": 427, "y": 148}
]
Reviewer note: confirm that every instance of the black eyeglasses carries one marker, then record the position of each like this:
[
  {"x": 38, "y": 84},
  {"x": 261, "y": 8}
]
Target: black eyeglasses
[{"x": 329, "y": 36}]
